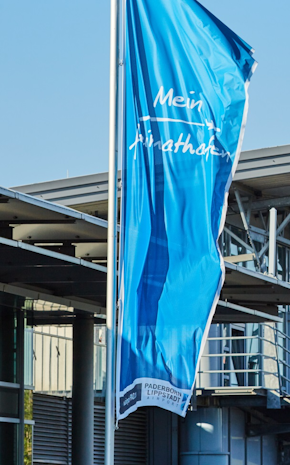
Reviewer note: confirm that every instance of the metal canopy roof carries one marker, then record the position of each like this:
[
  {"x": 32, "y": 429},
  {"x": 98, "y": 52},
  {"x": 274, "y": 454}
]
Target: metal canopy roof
[
  {"x": 265, "y": 174},
  {"x": 37, "y": 273},
  {"x": 36, "y": 220},
  {"x": 261, "y": 163},
  {"x": 51, "y": 252},
  {"x": 54, "y": 253},
  {"x": 243, "y": 286},
  {"x": 88, "y": 194},
  {"x": 227, "y": 312}
]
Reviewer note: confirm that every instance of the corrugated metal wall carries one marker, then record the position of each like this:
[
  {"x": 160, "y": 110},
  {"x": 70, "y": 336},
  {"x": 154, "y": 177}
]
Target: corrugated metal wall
[
  {"x": 51, "y": 430},
  {"x": 131, "y": 440},
  {"x": 53, "y": 426}
]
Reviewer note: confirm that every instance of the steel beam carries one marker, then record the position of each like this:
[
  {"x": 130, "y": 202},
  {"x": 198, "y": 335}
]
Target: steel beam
[
  {"x": 51, "y": 274},
  {"x": 240, "y": 258},
  {"x": 265, "y": 204},
  {"x": 43, "y": 294},
  {"x": 246, "y": 226},
  {"x": 238, "y": 239}
]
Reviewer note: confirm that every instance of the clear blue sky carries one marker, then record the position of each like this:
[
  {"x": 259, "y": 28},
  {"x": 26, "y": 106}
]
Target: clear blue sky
[{"x": 54, "y": 72}]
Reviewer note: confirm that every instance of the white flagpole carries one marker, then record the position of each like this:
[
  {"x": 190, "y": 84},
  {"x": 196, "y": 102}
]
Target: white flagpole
[{"x": 112, "y": 243}]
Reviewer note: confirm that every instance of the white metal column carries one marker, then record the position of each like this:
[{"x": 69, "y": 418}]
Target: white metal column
[
  {"x": 112, "y": 244},
  {"x": 272, "y": 242}
]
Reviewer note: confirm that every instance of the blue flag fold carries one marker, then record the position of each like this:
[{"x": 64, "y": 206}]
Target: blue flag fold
[{"x": 185, "y": 110}]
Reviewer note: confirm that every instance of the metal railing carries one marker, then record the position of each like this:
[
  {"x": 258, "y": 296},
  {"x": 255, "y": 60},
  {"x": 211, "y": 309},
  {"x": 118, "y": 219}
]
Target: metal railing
[
  {"x": 268, "y": 367},
  {"x": 260, "y": 360},
  {"x": 52, "y": 362}
]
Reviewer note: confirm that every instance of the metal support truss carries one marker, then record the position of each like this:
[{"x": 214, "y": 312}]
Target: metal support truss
[
  {"x": 238, "y": 239},
  {"x": 280, "y": 229},
  {"x": 245, "y": 219}
]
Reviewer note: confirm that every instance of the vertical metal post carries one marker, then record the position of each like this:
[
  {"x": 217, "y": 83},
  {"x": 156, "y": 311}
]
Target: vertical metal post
[
  {"x": 277, "y": 358},
  {"x": 112, "y": 244},
  {"x": 20, "y": 354},
  {"x": 278, "y": 232},
  {"x": 83, "y": 391},
  {"x": 272, "y": 242},
  {"x": 261, "y": 351}
]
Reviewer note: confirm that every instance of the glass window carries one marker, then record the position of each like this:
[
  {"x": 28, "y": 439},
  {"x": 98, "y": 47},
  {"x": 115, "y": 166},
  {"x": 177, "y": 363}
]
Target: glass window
[
  {"x": 8, "y": 340},
  {"x": 8, "y": 402},
  {"x": 8, "y": 443}
]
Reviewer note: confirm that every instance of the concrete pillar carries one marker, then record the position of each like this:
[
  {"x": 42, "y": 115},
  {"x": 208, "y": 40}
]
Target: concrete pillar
[{"x": 83, "y": 393}]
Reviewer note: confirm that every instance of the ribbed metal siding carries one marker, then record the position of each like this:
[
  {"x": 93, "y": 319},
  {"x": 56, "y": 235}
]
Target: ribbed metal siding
[
  {"x": 53, "y": 434},
  {"x": 99, "y": 434},
  {"x": 130, "y": 438},
  {"x": 69, "y": 432},
  {"x": 131, "y": 443},
  {"x": 50, "y": 438}
]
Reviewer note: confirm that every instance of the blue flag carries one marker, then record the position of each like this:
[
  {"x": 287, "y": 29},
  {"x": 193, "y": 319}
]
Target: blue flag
[{"x": 186, "y": 104}]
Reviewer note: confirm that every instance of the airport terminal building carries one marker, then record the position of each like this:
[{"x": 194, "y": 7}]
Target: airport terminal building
[{"x": 53, "y": 241}]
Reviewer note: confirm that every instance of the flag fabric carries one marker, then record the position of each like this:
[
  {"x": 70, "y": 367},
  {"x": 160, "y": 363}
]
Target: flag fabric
[{"x": 185, "y": 110}]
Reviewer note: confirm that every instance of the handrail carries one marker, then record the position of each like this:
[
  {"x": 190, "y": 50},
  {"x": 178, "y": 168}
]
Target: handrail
[
  {"x": 284, "y": 363},
  {"x": 230, "y": 338},
  {"x": 284, "y": 377},
  {"x": 255, "y": 368},
  {"x": 241, "y": 354},
  {"x": 236, "y": 354},
  {"x": 258, "y": 370},
  {"x": 276, "y": 329},
  {"x": 284, "y": 348}
]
